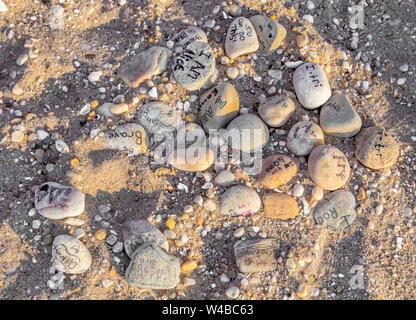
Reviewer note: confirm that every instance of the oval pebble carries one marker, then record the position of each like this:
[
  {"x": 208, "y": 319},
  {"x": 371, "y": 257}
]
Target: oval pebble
[
  {"x": 277, "y": 170},
  {"x": 241, "y": 38},
  {"x": 70, "y": 255},
  {"x": 276, "y": 110},
  {"x": 240, "y": 201},
  {"x": 303, "y": 137}
]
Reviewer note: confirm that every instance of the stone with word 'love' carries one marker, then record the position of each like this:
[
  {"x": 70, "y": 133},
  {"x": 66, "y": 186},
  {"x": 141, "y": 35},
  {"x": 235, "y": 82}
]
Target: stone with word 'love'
[
  {"x": 277, "y": 170},
  {"x": 144, "y": 66},
  {"x": 218, "y": 106},
  {"x": 158, "y": 117},
  {"x": 191, "y": 159},
  {"x": 241, "y": 38},
  {"x": 338, "y": 117},
  {"x": 311, "y": 85},
  {"x": 258, "y": 255},
  {"x": 303, "y": 137},
  {"x": 194, "y": 65},
  {"x": 270, "y": 33},
  {"x": 185, "y": 36},
  {"x": 139, "y": 232},
  {"x": 152, "y": 267},
  {"x": 280, "y": 206},
  {"x": 240, "y": 201},
  {"x": 56, "y": 201},
  {"x": 276, "y": 110},
  {"x": 376, "y": 148},
  {"x": 129, "y": 137},
  {"x": 336, "y": 211},
  {"x": 247, "y": 133},
  {"x": 328, "y": 167},
  {"x": 70, "y": 255}
]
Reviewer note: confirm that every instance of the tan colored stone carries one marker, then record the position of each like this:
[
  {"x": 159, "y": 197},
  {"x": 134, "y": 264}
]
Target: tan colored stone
[
  {"x": 328, "y": 167},
  {"x": 277, "y": 170},
  {"x": 192, "y": 159},
  {"x": 270, "y": 33},
  {"x": 119, "y": 108},
  {"x": 280, "y": 206},
  {"x": 276, "y": 110}
]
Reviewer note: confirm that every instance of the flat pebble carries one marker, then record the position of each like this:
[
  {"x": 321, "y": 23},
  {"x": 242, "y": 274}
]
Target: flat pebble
[
  {"x": 232, "y": 292},
  {"x": 303, "y": 137},
  {"x": 129, "y": 137},
  {"x": 256, "y": 255},
  {"x": 225, "y": 178},
  {"x": 270, "y": 33},
  {"x": 159, "y": 118},
  {"x": 70, "y": 255},
  {"x": 239, "y": 201},
  {"x": 277, "y": 170},
  {"x": 280, "y": 206},
  {"x": 276, "y": 110},
  {"x": 241, "y": 38}
]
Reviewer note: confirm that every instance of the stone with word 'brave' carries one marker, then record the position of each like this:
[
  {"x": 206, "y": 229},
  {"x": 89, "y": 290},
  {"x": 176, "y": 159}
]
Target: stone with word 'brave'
[
  {"x": 336, "y": 211},
  {"x": 151, "y": 267},
  {"x": 311, "y": 85},
  {"x": 129, "y": 137}
]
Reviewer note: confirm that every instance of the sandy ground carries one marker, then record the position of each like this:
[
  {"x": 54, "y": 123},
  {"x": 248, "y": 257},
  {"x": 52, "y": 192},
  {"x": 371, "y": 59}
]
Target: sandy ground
[{"x": 100, "y": 35}]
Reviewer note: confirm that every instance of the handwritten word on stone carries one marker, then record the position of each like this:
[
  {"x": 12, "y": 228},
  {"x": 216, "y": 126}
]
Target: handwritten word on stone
[
  {"x": 277, "y": 170},
  {"x": 69, "y": 255},
  {"x": 270, "y": 33},
  {"x": 185, "y": 36},
  {"x": 158, "y": 117},
  {"x": 240, "y": 201},
  {"x": 303, "y": 137},
  {"x": 256, "y": 255},
  {"x": 241, "y": 38},
  {"x": 276, "y": 110},
  {"x": 131, "y": 138}
]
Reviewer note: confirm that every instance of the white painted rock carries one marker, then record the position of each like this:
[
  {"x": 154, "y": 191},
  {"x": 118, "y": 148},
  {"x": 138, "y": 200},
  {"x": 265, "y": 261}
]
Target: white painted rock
[
  {"x": 311, "y": 85},
  {"x": 338, "y": 117},
  {"x": 241, "y": 38},
  {"x": 276, "y": 110},
  {"x": 70, "y": 255},
  {"x": 240, "y": 201},
  {"x": 158, "y": 117},
  {"x": 194, "y": 65},
  {"x": 303, "y": 137},
  {"x": 55, "y": 201},
  {"x": 247, "y": 133},
  {"x": 129, "y": 137},
  {"x": 270, "y": 33},
  {"x": 185, "y": 36},
  {"x": 218, "y": 106}
]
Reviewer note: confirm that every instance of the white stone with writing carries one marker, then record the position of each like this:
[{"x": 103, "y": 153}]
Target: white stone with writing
[
  {"x": 303, "y": 137},
  {"x": 159, "y": 117},
  {"x": 241, "y": 38},
  {"x": 70, "y": 255},
  {"x": 270, "y": 33},
  {"x": 257, "y": 255},
  {"x": 185, "y": 36},
  {"x": 240, "y": 201},
  {"x": 130, "y": 137}
]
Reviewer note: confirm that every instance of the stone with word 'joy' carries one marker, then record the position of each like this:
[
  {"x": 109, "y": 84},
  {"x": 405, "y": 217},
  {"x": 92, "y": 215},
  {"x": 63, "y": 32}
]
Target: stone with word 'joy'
[
  {"x": 144, "y": 66},
  {"x": 338, "y": 117},
  {"x": 240, "y": 201},
  {"x": 336, "y": 211},
  {"x": 303, "y": 137},
  {"x": 152, "y": 267},
  {"x": 129, "y": 137},
  {"x": 258, "y": 255},
  {"x": 218, "y": 106},
  {"x": 276, "y": 110},
  {"x": 247, "y": 133},
  {"x": 185, "y": 36},
  {"x": 158, "y": 117},
  {"x": 311, "y": 85},
  {"x": 139, "y": 232},
  {"x": 192, "y": 159},
  {"x": 280, "y": 206},
  {"x": 56, "y": 201},
  {"x": 277, "y": 170},
  {"x": 70, "y": 255},
  {"x": 328, "y": 167},
  {"x": 376, "y": 148},
  {"x": 270, "y": 33},
  {"x": 241, "y": 38},
  {"x": 194, "y": 65}
]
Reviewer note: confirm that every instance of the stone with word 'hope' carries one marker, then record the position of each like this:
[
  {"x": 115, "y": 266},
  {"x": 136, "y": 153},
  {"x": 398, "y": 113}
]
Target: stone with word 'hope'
[
  {"x": 257, "y": 255},
  {"x": 277, "y": 170},
  {"x": 70, "y": 255},
  {"x": 240, "y": 201}
]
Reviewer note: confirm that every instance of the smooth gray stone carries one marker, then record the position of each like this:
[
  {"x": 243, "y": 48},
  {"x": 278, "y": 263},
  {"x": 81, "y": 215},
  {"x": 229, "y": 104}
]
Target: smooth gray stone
[
  {"x": 185, "y": 36},
  {"x": 70, "y": 255},
  {"x": 158, "y": 117}
]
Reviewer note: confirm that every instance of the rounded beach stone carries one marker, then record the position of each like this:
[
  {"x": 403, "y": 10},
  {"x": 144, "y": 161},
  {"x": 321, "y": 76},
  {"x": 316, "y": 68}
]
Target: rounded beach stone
[
  {"x": 70, "y": 255},
  {"x": 144, "y": 66},
  {"x": 311, "y": 85},
  {"x": 129, "y": 137},
  {"x": 185, "y": 36},
  {"x": 194, "y": 65},
  {"x": 338, "y": 117},
  {"x": 151, "y": 267},
  {"x": 139, "y": 232},
  {"x": 303, "y": 137},
  {"x": 56, "y": 201},
  {"x": 276, "y": 110},
  {"x": 158, "y": 117},
  {"x": 241, "y": 38},
  {"x": 280, "y": 206},
  {"x": 218, "y": 106},
  {"x": 192, "y": 159},
  {"x": 277, "y": 170},
  {"x": 240, "y": 201},
  {"x": 270, "y": 33},
  {"x": 328, "y": 167},
  {"x": 194, "y": 137},
  {"x": 336, "y": 211},
  {"x": 247, "y": 133},
  {"x": 257, "y": 255},
  {"x": 376, "y": 148}
]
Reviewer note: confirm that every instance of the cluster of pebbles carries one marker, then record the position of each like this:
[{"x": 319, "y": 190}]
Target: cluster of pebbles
[{"x": 193, "y": 66}]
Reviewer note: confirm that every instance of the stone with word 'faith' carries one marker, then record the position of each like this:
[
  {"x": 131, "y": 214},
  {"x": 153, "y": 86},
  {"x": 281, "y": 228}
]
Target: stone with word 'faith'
[
  {"x": 258, "y": 255},
  {"x": 241, "y": 38},
  {"x": 303, "y": 137},
  {"x": 277, "y": 170},
  {"x": 336, "y": 211},
  {"x": 70, "y": 255},
  {"x": 240, "y": 201},
  {"x": 311, "y": 85}
]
